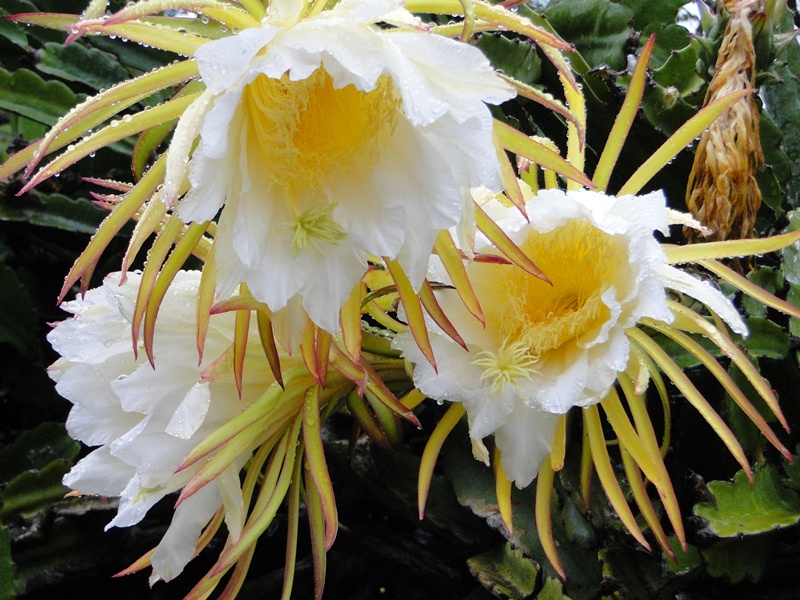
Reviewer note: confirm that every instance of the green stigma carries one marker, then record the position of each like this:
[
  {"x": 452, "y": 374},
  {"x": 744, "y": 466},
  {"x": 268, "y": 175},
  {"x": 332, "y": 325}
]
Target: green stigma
[
  {"x": 510, "y": 363},
  {"x": 314, "y": 226}
]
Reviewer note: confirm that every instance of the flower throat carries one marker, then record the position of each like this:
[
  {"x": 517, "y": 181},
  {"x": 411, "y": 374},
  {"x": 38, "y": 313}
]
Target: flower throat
[
  {"x": 305, "y": 131},
  {"x": 581, "y": 261}
]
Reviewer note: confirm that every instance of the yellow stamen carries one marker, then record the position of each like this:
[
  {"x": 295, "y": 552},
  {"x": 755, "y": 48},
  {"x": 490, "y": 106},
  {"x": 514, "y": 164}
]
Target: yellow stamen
[
  {"x": 301, "y": 133},
  {"x": 510, "y": 363},
  {"x": 582, "y": 262}
]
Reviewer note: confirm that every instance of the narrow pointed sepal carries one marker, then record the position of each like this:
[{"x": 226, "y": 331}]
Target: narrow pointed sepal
[
  {"x": 431, "y": 453},
  {"x": 316, "y": 464},
  {"x": 413, "y": 309},
  {"x": 504, "y": 243},
  {"x": 454, "y": 265},
  {"x": 605, "y": 472},
  {"x": 502, "y": 488},
  {"x": 544, "y": 522}
]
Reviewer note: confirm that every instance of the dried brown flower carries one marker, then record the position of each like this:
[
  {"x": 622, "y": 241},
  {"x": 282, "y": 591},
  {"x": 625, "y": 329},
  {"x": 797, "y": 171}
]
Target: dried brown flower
[{"x": 722, "y": 191}]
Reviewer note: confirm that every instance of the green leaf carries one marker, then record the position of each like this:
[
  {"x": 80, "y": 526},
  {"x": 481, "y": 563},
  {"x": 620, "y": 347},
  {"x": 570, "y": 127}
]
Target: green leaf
[
  {"x": 678, "y": 70},
  {"x": 682, "y": 357},
  {"x": 515, "y": 58},
  {"x": 147, "y": 144},
  {"x": 577, "y": 527},
  {"x": 33, "y": 490},
  {"x": 13, "y": 32},
  {"x": 685, "y": 562},
  {"x": 665, "y": 108},
  {"x": 766, "y": 338},
  {"x": 76, "y": 62},
  {"x": 669, "y": 39},
  {"x": 505, "y": 572},
  {"x": 599, "y": 29},
  {"x": 25, "y": 93},
  {"x": 775, "y": 176},
  {"x": 793, "y": 297},
  {"x": 552, "y": 590},
  {"x": 745, "y": 509},
  {"x": 19, "y": 6},
  {"x": 132, "y": 55},
  {"x": 767, "y": 278},
  {"x": 782, "y": 104},
  {"x": 35, "y": 449},
  {"x": 474, "y": 485},
  {"x": 647, "y": 12},
  {"x": 738, "y": 559},
  {"x": 66, "y": 547},
  {"x": 742, "y": 426},
  {"x": 791, "y": 254},
  {"x": 74, "y": 7},
  {"x": 17, "y": 315},
  {"x": 632, "y": 573},
  {"x": 53, "y": 210},
  {"x": 6, "y": 566},
  {"x": 793, "y": 471}
]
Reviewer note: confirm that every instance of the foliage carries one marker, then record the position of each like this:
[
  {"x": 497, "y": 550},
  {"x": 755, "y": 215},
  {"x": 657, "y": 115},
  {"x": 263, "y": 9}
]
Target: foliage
[{"x": 742, "y": 508}]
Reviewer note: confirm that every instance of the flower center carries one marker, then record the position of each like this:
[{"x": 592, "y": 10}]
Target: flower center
[
  {"x": 510, "y": 363},
  {"x": 582, "y": 262},
  {"x": 313, "y": 226},
  {"x": 303, "y": 132}
]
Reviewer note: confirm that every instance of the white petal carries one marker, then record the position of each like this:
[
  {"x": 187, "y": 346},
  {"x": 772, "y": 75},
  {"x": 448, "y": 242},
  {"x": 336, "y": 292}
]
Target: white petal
[
  {"x": 99, "y": 425},
  {"x": 562, "y": 381},
  {"x": 457, "y": 73},
  {"x": 490, "y": 413},
  {"x": 134, "y": 503},
  {"x": 289, "y": 324},
  {"x": 334, "y": 274},
  {"x": 222, "y": 62},
  {"x": 285, "y": 13},
  {"x": 468, "y": 149},
  {"x": 99, "y": 473},
  {"x": 525, "y": 442},
  {"x": 274, "y": 274},
  {"x": 179, "y": 544},
  {"x": 180, "y": 147},
  {"x": 420, "y": 103},
  {"x": 418, "y": 178},
  {"x": 191, "y": 412},
  {"x": 700, "y": 290},
  {"x": 157, "y": 384},
  {"x": 687, "y": 220},
  {"x": 209, "y": 188},
  {"x": 98, "y": 334},
  {"x": 231, "y": 493},
  {"x": 349, "y": 53},
  {"x": 373, "y": 219},
  {"x": 650, "y": 211},
  {"x": 148, "y": 420}
]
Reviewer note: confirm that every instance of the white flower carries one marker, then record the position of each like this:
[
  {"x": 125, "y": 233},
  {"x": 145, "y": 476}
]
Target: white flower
[
  {"x": 146, "y": 420},
  {"x": 547, "y": 348},
  {"x": 330, "y": 139}
]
